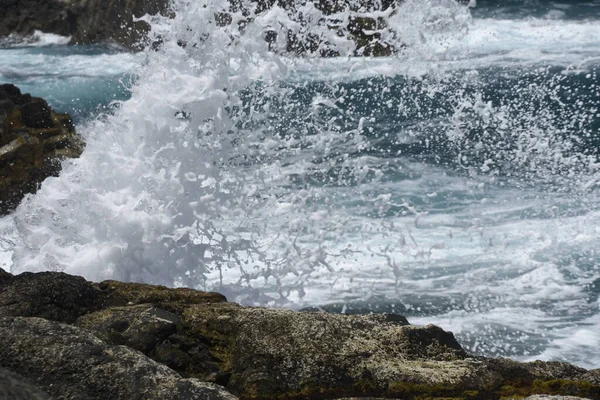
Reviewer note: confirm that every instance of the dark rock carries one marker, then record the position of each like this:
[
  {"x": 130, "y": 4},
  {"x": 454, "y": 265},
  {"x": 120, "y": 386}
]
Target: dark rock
[
  {"x": 50, "y": 295},
  {"x": 15, "y": 387},
  {"x": 33, "y": 141},
  {"x": 259, "y": 353},
  {"x": 70, "y": 363},
  {"x": 86, "y": 21},
  {"x": 37, "y": 114},
  {"x": 96, "y": 21},
  {"x": 4, "y": 277},
  {"x": 141, "y": 327}
]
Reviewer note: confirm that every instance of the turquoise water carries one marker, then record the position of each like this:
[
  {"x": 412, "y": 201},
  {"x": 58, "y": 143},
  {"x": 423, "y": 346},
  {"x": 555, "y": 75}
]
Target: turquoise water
[{"x": 80, "y": 80}]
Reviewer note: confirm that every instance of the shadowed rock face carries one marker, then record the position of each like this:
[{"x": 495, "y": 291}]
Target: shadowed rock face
[
  {"x": 4, "y": 276},
  {"x": 255, "y": 353},
  {"x": 33, "y": 141},
  {"x": 15, "y": 387}
]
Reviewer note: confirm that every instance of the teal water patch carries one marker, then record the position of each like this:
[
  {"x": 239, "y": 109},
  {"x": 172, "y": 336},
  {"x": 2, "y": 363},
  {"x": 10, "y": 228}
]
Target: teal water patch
[{"x": 83, "y": 81}]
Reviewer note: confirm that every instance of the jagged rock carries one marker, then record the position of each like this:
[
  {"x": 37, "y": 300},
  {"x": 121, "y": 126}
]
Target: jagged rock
[
  {"x": 70, "y": 363},
  {"x": 50, "y": 295},
  {"x": 259, "y": 353},
  {"x": 86, "y": 21},
  {"x": 96, "y": 21},
  {"x": 33, "y": 141},
  {"x": 15, "y": 387}
]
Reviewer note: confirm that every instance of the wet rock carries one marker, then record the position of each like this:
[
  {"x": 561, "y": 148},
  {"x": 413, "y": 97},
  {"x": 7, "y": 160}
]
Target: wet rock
[
  {"x": 33, "y": 141},
  {"x": 15, "y": 387},
  {"x": 70, "y": 363},
  {"x": 86, "y": 21},
  {"x": 117, "y": 24},
  {"x": 50, "y": 295},
  {"x": 259, "y": 353},
  {"x": 37, "y": 114}
]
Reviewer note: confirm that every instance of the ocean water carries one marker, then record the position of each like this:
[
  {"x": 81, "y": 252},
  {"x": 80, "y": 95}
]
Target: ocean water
[{"x": 456, "y": 183}]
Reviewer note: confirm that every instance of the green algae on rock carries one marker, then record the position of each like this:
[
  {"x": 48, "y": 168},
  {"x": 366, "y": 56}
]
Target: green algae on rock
[
  {"x": 258, "y": 353},
  {"x": 33, "y": 141}
]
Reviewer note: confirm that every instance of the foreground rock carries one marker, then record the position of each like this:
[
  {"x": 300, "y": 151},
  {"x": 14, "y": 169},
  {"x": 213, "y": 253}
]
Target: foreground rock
[
  {"x": 33, "y": 141},
  {"x": 254, "y": 353},
  {"x": 15, "y": 387},
  {"x": 73, "y": 364}
]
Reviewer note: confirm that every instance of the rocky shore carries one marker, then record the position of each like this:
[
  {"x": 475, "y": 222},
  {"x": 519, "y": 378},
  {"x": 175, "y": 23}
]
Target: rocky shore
[
  {"x": 34, "y": 139},
  {"x": 96, "y": 21},
  {"x": 66, "y": 338}
]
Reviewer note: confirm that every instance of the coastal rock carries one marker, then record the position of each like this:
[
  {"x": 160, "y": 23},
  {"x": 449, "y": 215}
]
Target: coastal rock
[
  {"x": 33, "y": 141},
  {"x": 70, "y": 363},
  {"x": 96, "y": 21},
  {"x": 258, "y": 353},
  {"x": 15, "y": 387},
  {"x": 4, "y": 276},
  {"x": 85, "y": 21},
  {"x": 50, "y": 295}
]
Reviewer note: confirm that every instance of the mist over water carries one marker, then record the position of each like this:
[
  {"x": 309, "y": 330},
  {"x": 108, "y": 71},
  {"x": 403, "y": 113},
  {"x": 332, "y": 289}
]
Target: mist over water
[{"x": 455, "y": 183}]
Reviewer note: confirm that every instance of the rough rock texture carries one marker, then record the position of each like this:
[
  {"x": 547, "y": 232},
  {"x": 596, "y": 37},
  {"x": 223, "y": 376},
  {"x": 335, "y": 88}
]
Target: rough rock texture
[
  {"x": 33, "y": 141},
  {"x": 254, "y": 353},
  {"x": 15, "y": 387},
  {"x": 97, "y": 21},
  {"x": 54, "y": 296},
  {"x": 73, "y": 364},
  {"x": 4, "y": 276}
]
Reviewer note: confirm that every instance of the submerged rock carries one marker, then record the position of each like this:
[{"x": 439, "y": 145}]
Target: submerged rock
[
  {"x": 255, "y": 353},
  {"x": 33, "y": 141}
]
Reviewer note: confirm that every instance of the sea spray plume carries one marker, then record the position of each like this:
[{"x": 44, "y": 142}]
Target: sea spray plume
[{"x": 193, "y": 173}]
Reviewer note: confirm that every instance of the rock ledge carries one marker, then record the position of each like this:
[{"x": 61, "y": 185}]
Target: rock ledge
[{"x": 133, "y": 341}]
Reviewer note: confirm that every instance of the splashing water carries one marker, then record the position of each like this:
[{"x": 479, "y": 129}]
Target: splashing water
[{"x": 455, "y": 182}]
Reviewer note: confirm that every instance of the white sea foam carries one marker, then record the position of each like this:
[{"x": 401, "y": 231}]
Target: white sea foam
[{"x": 38, "y": 39}]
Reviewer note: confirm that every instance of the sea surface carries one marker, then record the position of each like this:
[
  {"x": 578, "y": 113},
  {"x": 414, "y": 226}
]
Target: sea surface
[{"x": 456, "y": 183}]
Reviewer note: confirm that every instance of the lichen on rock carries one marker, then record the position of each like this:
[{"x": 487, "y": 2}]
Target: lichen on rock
[
  {"x": 257, "y": 353},
  {"x": 71, "y": 363}
]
